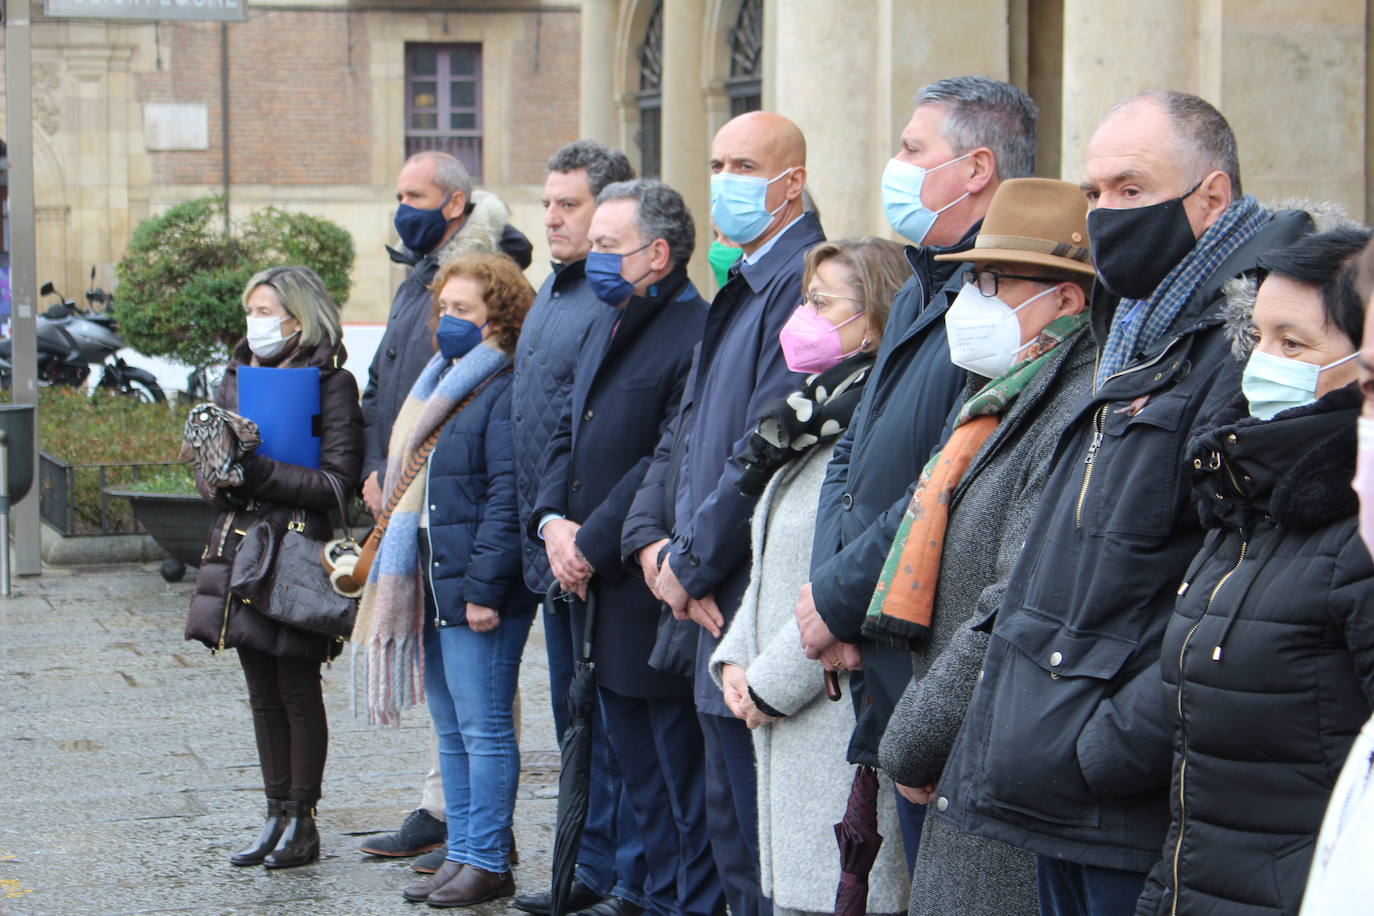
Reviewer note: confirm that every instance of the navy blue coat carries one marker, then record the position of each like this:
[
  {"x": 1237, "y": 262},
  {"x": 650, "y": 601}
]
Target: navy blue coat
[
  {"x": 474, "y": 533},
  {"x": 738, "y": 370},
  {"x": 625, "y": 392},
  {"x": 1064, "y": 749},
  {"x": 873, "y": 472},
  {"x": 550, "y": 340}
]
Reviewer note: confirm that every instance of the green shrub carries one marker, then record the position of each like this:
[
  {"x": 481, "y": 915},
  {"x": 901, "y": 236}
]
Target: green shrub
[{"x": 181, "y": 279}]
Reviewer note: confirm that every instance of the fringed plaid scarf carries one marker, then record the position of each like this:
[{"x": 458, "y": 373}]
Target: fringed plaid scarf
[
  {"x": 903, "y": 603},
  {"x": 388, "y": 657}
]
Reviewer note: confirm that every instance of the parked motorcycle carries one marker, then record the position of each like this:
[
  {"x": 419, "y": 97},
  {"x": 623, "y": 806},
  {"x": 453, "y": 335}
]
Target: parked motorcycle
[{"x": 71, "y": 340}]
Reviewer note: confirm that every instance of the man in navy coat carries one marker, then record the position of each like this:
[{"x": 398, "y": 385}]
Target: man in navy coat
[
  {"x": 758, "y": 164},
  {"x": 626, "y": 386}
]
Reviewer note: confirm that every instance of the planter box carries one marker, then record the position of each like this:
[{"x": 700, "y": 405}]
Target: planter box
[
  {"x": 74, "y": 499},
  {"x": 178, "y": 522}
]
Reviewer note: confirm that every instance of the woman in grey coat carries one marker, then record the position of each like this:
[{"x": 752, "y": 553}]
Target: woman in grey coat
[
  {"x": 799, "y": 736},
  {"x": 989, "y": 508}
]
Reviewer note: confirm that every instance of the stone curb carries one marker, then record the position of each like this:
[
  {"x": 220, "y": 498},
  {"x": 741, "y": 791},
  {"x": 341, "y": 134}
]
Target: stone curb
[{"x": 56, "y": 550}]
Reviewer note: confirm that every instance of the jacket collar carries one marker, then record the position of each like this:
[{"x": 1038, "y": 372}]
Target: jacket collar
[
  {"x": 565, "y": 273},
  {"x": 798, "y": 237},
  {"x": 937, "y": 277},
  {"x": 1295, "y": 468}
]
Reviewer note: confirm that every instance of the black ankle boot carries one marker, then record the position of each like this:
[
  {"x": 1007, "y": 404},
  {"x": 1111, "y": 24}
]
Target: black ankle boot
[
  {"x": 300, "y": 841},
  {"x": 267, "y": 837}
]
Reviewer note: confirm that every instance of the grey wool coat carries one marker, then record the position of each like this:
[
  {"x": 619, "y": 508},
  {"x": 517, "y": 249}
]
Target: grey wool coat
[
  {"x": 803, "y": 777},
  {"x": 990, "y": 512}
]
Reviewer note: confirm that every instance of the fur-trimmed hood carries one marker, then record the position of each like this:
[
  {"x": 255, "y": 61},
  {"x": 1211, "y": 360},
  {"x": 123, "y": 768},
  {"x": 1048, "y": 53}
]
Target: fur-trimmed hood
[
  {"x": 1240, "y": 291},
  {"x": 481, "y": 231}
]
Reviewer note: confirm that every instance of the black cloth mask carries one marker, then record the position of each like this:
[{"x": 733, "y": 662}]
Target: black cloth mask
[{"x": 1134, "y": 249}]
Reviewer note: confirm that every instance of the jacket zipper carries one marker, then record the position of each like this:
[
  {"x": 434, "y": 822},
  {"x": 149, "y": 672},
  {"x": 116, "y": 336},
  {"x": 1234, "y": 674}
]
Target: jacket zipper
[
  {"x": 228, "y": 595},
  {"x": 1183, "y": 762},
  {"x": 1099, "y": 421}
]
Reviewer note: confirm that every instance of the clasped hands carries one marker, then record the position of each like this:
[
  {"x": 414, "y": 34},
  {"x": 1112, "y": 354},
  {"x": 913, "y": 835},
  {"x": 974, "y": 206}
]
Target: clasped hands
[
  {"x": 664, "y": 584},
  {"x": 735, "y": 687},
  {"x": 566, "y": 561}
]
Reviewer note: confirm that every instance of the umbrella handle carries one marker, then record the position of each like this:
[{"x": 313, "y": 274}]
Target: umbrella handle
[{"x": 832, "y": 685}]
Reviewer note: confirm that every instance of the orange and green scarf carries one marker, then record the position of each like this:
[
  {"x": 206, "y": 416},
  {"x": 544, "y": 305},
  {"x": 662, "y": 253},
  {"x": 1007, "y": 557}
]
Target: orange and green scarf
[{"x": 903, "y": 602}]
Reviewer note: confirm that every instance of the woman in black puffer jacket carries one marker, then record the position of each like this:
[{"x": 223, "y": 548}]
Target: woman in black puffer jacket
[
  {"x": 292, "y": 324},
  {"x": 1268, "y": 662}
]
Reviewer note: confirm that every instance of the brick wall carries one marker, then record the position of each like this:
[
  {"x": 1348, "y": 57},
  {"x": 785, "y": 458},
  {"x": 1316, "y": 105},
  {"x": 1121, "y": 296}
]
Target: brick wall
[
  {"x": 544, "y": 87},
  {"x": 298, "y": 99}
]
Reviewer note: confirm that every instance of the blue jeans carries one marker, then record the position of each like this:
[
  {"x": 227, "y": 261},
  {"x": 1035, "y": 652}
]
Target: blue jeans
[
  {"x": 470, "y": 682},
  {"x": 1072, "y": 889}
]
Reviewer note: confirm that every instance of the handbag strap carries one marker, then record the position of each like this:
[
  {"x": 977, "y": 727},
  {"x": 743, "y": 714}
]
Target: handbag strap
[{"x": 421, "y": 456}]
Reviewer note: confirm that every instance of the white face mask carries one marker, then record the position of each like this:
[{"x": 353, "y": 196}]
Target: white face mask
[
  {"x": 984, "y": 335},
  {"x": 264, "y": 336}
]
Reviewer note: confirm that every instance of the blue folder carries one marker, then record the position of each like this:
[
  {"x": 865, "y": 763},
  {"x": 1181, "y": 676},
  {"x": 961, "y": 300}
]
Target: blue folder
[{"x": 285, "y": 403}]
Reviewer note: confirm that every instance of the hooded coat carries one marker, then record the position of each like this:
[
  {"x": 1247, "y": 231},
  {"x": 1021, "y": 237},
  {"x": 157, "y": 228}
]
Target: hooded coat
[
  {"x": 1268, "y": 661},
  {"x": 272, "y": 490},
  {"x": 408, "y": 341}
]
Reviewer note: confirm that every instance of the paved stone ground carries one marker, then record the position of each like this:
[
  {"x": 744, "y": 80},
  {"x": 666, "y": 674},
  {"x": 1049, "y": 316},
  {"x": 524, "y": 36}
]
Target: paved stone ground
[{"x": 128, "y": 772}]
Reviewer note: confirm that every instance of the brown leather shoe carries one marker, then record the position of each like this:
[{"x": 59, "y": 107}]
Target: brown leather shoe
[
  {"x": 419, "y": 891},
  {"x": 473, "y": 885}
]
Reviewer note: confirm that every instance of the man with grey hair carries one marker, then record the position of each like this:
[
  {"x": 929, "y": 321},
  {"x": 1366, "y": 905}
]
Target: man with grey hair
[
  {"x": 1065, "y": 748},
  {"x": 438, "y": 217},
  {"x": 625, "y": 388},
  {"x": 965, "y": 137},
  {"x": 610, "y": 860}
]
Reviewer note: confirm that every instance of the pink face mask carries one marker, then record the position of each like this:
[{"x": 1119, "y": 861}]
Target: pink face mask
[
  {"x": 1364, "y": 480},
  {"x": 810, "y": 343}
]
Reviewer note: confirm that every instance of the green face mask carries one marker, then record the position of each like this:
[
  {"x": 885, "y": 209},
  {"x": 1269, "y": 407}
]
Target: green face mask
[{"x": 722, "y": 256}]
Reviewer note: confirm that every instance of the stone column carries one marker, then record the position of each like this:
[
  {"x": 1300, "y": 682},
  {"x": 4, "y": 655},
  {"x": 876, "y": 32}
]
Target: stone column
[
  {"x": 597, "y": 95},
  {"x": 1114, "y": 49},
  {"x": 685, "y": 146}
]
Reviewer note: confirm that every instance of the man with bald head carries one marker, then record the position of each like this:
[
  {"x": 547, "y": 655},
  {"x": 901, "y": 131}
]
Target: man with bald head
[
  {"x": 689, "y": 529},
  {"x": 1065, "y": 749}
]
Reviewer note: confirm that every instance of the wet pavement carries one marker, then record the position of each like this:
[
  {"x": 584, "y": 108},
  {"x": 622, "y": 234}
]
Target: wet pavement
[{"x": 128, "y": 773}]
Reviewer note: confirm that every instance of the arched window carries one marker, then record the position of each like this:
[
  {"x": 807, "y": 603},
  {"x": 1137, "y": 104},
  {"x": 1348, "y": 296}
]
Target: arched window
[
  {"x": 650, "y": 96},
  {"x": 745, "y": 85}
]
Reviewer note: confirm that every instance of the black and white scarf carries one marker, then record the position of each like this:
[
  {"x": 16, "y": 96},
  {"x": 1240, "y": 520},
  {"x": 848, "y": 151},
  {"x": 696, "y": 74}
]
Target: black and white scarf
[{"x": 793, "y": 424}]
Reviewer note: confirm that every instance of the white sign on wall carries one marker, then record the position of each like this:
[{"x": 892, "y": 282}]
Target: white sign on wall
[
  {"x": 205, "y": 10},
  {"x": 175, "y": 127}
]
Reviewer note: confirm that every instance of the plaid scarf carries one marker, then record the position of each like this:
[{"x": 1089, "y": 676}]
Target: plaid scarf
[
  {"x": 388, "y": 658},
  {"x": 903, "y": 602},
  {"x": 1139, "y": 323}
]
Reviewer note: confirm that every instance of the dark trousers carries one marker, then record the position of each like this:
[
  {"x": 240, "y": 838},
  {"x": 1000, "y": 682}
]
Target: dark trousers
[
  {"x": 288, "y": 719},
  {"x": 911, "y": 817},
  {"x": 732, "y": 813},
  {"x": 1072, "y": 889},
  {"x": 658, "y": 745},
  {"x": 610, "y": 856}
]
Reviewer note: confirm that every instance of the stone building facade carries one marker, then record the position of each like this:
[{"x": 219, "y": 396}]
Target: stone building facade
[
  {"x": 324, "y": 101},
  {"x": 1294, "y": 77}
]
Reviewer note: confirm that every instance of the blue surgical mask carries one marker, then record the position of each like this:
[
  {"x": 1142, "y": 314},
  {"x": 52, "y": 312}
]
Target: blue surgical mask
[
  {"x": 902, "y": 183},
  {"x": 603, "y": 273},
  {"x": 421, "y": 230},
  {"x": 457, "y": 336},
  {"x": 1272, "y": 383},
  {"x": 739, "y": 205}
]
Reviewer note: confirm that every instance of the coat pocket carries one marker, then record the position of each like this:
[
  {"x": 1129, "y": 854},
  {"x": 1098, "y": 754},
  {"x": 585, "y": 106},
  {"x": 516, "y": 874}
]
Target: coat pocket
[
  {"x": 1139, "y": 484},
  {"x": 1050, "y": 684}
]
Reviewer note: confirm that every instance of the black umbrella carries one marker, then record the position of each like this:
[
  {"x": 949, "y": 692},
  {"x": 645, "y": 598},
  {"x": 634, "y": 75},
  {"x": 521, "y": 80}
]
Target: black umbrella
[
  {"x": 574, "y": 779},
  {"x": 859, "y": 841}
]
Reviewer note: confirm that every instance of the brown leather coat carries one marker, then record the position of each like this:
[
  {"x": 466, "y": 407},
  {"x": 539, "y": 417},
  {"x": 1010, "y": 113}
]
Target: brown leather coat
[{"x": 271, "y": 490}]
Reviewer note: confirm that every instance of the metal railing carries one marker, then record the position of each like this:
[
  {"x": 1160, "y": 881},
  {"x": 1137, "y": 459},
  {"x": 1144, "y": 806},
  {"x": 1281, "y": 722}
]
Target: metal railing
[{"x": 73, "y": 500}]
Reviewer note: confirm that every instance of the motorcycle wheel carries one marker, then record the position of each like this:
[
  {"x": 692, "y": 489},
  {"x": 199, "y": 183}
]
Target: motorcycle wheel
[{"x": 147, "y": 392}]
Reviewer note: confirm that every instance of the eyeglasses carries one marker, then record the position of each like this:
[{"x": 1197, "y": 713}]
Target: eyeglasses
[
  {"x": 987, "y": 279},
  {"x": 819, "y": 301}
]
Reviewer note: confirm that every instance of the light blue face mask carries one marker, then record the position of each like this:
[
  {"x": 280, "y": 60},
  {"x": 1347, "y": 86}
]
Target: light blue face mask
[
  {"x": 739, "y": 205},
  {"x": 902, "y": 183},
  {"x": 1272, "y": 384}
]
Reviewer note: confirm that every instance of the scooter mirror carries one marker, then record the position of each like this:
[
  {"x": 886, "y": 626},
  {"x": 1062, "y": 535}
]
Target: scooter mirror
[{"x": 46, "y": 289}]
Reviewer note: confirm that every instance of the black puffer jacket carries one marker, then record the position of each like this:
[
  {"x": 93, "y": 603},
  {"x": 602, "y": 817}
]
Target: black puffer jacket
[
  {"x": 271, "y": 490},
  {"x": 1268, "y": 662}
]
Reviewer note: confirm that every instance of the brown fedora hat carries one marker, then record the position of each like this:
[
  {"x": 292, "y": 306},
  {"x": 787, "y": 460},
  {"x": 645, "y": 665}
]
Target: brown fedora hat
[{"x": 1034, "y": 221}]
